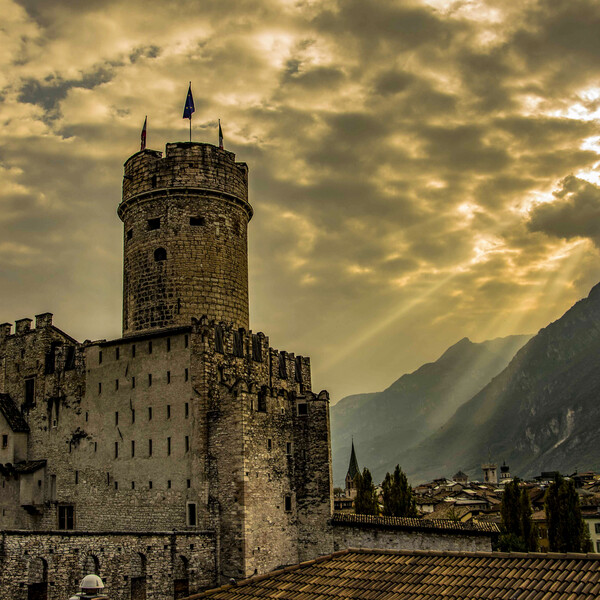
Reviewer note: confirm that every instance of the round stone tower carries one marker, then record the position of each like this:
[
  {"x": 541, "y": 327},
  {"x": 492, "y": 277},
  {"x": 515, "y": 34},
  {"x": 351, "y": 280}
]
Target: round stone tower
[{"x": 185, "y": 219}]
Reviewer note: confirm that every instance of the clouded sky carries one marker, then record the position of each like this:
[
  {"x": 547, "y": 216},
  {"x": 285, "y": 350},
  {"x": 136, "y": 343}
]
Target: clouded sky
[{"x": 420, "y": 171}]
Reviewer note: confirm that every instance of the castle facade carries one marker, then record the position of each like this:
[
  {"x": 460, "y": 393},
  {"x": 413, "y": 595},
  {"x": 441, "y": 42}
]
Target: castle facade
[{"x": 187, "y": 451}]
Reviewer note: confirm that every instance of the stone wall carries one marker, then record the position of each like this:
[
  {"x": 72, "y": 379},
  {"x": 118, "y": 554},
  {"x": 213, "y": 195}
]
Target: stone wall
[
  {"x": 61, "y": 559},
  {"x": 347, "y": 536}
]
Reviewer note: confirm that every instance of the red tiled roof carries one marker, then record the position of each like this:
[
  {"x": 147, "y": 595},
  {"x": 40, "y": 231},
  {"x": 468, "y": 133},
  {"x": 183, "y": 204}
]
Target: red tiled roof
[
  {"x": 425, "y": 575},
  {"x": 447, "y": 525}
]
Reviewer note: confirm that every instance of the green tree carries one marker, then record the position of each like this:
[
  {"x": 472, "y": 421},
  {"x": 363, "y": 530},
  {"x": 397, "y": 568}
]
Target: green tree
[
  {"x": 398, "y": 499},
  {"x": 567, "y": 531},
  {"x": 519, "y": 532},
  {"x": 365, "y": 502}
]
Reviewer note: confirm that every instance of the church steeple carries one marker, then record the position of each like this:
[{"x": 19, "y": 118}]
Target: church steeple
[{"x": 353, "y": 471}]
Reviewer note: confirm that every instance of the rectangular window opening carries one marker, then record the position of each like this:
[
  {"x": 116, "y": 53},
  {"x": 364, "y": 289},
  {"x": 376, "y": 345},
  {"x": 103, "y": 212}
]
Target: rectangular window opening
[
  {"x": 191, "y": 514},
  {"x": 149, "y": 379},
  {"x": 117, "y": 353},
  {"x": 168, "y": 376},
  {"x": 168, "y": 344},
  {"x": 132, "y": 448},
  {"x": 197, "y": 221},
  {"x": 153, "y": 224},
  {"x": 187, "y": 443},
  {"x": 187, "y": 410},
  {"x": 168, "y": 411},
  {"x": 129, "y": 234},
  {"x": 149, "y": 413},
  {"x": 66, "y": 517},
  {"x": 116, "y": 449},
  {"x": 168, "y": 446},
  {"x": 133, "y": 351},
  {"x": 5, "y": 440},
  {"x": 186, "y": 340},
  {"x": 288, "y": 504},
  {"x": 30, "y": 390},
  {"x": 149, "y": 447},
  {"x": 186, "y": 375}
]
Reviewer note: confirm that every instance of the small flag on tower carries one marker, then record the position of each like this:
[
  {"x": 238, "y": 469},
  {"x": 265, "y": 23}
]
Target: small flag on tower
[
  {"x": 188, "y": 109},
  {"x": 220, "y": 136},
  {"x": 143, "y": 137}
]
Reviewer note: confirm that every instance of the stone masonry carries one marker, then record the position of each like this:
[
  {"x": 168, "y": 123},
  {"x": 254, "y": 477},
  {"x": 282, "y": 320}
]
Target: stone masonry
[{"x": 184, "y": 453}]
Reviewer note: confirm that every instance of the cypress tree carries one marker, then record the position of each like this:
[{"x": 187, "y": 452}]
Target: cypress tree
[
  {"x": 567, "y": 531},
  {"x": 365, "y": 502},
  {"x": 519, "y": 531},
  {"x": 398, "y": 499}
]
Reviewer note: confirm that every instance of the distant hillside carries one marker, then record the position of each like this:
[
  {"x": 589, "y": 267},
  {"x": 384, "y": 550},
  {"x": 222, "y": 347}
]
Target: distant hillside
[
  {"x": 384, "y": 424},
  {"x": 541, "y": 413}
]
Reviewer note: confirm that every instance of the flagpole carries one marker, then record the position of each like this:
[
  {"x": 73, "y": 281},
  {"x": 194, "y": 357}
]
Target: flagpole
[{"x": 190, "y": 128}]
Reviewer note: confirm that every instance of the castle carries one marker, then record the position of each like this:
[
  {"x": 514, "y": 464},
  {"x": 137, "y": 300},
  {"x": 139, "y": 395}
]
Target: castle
[{"x": 187, "y": 451}]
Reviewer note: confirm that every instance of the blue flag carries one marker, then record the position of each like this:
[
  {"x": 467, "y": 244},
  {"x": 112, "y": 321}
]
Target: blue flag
[{"x": 188, "y": 109}]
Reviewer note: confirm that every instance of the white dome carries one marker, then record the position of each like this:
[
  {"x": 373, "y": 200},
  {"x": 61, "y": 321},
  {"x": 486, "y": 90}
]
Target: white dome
[{"x": 91, "y": 582}]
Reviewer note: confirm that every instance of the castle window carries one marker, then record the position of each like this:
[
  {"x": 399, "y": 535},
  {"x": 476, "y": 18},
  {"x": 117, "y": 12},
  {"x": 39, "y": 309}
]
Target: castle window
[
  {"x": 133, "y": 415},
  {"x": 133, "y": 382},
  {"x": 116, "y": 418},
  {"x": 133, "y": 351},
  {"x": 116, "y": 384},
  {"x": 130, "y": 234},
  {"x": 149, "y": 413},
  {"x": 262, "y": 399},
  {"x": 149, "y": 379},
  {"x": 150, "y": 485},
  {"x": 288, "y": 448},
  {"x": 187, "y": 410},
  {"x": 149, "y": 447},
  {"x": 169, "y": 484},
  {"x": 116, "y": 449},
  {"x": 160, "y": 254},
  {"x": 186, "y": 340},
  {"x": 86, "y": 416},
  {"x": 133, "y": 485},
  {"x": 95, "y": 446},
  {"x": 168, "y": 376},
  {"x": 76, "y": 477},
  {"x": 197, "y": 221},
  {"x": 4, "y": 440},
  {"x": 153, "y": 181},
  {"x": 168, "y": 446},
  {"x": 30, "y": 390},
  {"x": 168, "y": 344},
  {"x": 189, "y": 483},
  {"x": 187, "y": 443},
  {"x": 168, "y": 411},
  {"x": 99, "y": 388},
  {"x": 117, "y": 353},
  {"x": 132, "y": 448},
  {"x": 149, "y": 347},
  {"x": 153, "y": 224},
  {"x": 100, "y": 357},
  {"x": 256, "y": 348},
  {"x": 302, "y": 409},
  {"x": 288, "y": 504},
  {"x": 66, "y": 516},
  {"x": 186, "y": 374},
  {"x": 191, "y": 514},
  {"x": 269, "y": 444},
  {"x": 116, "y": 485}
]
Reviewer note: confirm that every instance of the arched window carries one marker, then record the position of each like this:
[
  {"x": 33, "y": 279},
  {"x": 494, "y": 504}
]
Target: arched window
[{"x": 160, "y": 254}]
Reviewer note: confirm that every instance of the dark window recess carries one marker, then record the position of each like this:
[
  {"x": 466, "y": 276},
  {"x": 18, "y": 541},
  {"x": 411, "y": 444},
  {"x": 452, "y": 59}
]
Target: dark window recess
[
  {"x": 288, "y": 448},
  {"x": 100, "y": 357},
  {"x": 116, "y": 418},
  {"x": 149, "y": 485},
  {"x": 133, "y": 351},
  {"x": 191, "y": 514},
  {"x": 99, "y": 387},
  {"x": 187, "y": 443},
  {"x": 49, "y": 363},
  {"x": 149, "y": 347},
  {"x": 168, "y": 446},
  {"x": 66, "y": 517},
  {"x": 197, "y": 221},
  {"x": 116, "y": 384},
  {"x": 117, "y": 353},
  {"x": 256, "y": 348},
  {"x": 238, "y": 343},
  {"x": 149, "y": 447},
  {"x": 149, "y": 379},
  {"x": 69, "y": 358},
  {"x": 189, "y": 483},
  {"x": 219, "y": 339},
  {"x": 262, "y": 399},
  {"x": 30, "y": 390},
  {"x": 288, "y": 504},
  {"x": 149, "y": 413},
  {"x": 116, "y": 449},
  {"x": 76, "y": 477},
  {"x": 160, "y": 254},
  {"x": 133, "y": 415},
  {"x": 133, "y": 382},
  {"x": 187, "y": 410},
  {"x": 168, "y": 411},
  {"x": 298, "y": 369},
  {"x": 186, "y": 374},
  {"x": 168, "y": 344},
  {"x": 153, "y": 224},
  {"x": 282, "y": 366},
  {"x": 168, "y": 376},
  {"x": 5, "y": 440},
  {"x": 186, "y": 340},
  {"x": 130, "y": 234},
  {"x": 269, "y": 444},
  {"x": 302, "y": 408},
  {"x": 132, "y": 448},
  {"x": 169, "y": 484}
]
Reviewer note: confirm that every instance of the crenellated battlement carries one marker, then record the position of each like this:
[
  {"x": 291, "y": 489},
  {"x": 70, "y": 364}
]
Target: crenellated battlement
[
  {"x": 185, "y": 165},
  {"x": 279, "y": 368}
]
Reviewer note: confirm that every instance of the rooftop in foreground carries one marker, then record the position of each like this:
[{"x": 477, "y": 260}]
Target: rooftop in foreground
[{"x": 425, "y": 575}]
